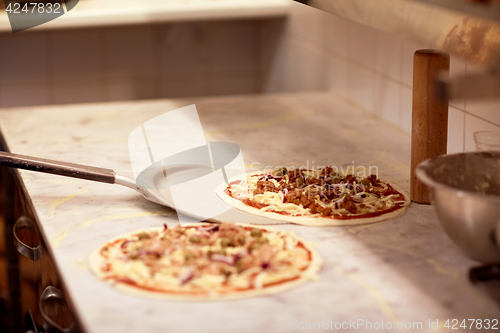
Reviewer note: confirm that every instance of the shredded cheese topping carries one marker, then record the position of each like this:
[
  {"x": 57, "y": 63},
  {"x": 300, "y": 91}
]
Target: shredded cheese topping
[
  {"x": 319, "y": 193},
  {"x": 205, "y": 260}
]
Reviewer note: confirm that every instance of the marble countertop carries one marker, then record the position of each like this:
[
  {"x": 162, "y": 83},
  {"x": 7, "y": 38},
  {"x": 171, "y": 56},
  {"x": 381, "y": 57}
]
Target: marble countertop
[{"x": 401, "y": 271}]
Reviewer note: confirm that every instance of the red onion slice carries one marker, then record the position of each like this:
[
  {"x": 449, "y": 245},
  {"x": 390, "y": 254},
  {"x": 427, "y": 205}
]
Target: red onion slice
[
  {"x": 211, "y": 228},
  {"x": 148, "y": 252},
  {"x": 285, "y": 191},
  {"x": 356, "y": 198},
  {"x": 188, "y": 276},
  {"x": 360, "y": 188},
  {"x": 271, "y": 176},
  {"x": 128, "y": 241},
  {"x": 223, "y": 259},
  {"x": 239, "y": 255},
  {"x": 340, "y": 200}
]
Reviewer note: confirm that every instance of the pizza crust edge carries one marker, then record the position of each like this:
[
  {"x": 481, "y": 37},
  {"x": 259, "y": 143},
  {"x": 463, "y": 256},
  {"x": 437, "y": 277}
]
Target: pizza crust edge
[
  {"x": 96, "y": 261},
  {"x": 308, "y": 220}
]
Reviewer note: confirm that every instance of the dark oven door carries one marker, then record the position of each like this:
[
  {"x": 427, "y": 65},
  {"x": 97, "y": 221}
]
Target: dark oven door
[{"x": 37, "y": 299}]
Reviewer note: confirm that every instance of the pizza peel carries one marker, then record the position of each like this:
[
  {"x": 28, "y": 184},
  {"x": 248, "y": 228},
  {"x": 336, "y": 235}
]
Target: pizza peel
[
  {"x": 80, "y": 171},
  {"x": 151, "y": 182}
]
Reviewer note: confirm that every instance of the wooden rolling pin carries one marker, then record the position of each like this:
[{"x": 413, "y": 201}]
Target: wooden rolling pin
[{"x": 429, "y": 116}]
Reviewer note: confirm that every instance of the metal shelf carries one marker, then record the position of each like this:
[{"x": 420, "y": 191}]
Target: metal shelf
[{"x": 485, "y": 10}]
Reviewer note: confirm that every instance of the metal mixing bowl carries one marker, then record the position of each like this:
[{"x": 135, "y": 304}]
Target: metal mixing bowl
[{"x": 465, "y": 192}]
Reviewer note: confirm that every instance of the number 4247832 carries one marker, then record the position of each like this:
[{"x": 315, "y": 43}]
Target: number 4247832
[
  {"x": 486, "y": 324},
  {"x": 34, "y": 7}
]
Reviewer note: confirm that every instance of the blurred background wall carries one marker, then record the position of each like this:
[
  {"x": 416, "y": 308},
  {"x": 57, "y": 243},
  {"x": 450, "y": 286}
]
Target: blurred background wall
[{"x": 310, "y": 50}]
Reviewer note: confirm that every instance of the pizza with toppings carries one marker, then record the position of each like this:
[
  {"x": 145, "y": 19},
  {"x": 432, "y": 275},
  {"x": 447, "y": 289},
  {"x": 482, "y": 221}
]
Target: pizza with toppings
[
  {"x": 206, "y": 261},
  {"x": 319, "y": 197}
]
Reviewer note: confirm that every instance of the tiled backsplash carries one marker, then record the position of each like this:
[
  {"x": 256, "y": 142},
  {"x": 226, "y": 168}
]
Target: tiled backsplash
[
  {"x": 132, "y": 62},
  {"x": 375, "y": 70},
  {"x": 311, "y": 50}
]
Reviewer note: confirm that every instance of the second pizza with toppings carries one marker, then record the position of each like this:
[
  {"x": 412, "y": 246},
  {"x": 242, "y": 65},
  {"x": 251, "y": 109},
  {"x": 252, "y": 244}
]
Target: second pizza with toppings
[
  {"x": 316, "y": 197},
  {"x": 206, "y": 262}
]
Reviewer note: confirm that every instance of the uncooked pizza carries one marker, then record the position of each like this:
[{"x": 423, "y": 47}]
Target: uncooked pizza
[
  {"x": 318, "y": 197},
  {"x": 206, "y": 262}
]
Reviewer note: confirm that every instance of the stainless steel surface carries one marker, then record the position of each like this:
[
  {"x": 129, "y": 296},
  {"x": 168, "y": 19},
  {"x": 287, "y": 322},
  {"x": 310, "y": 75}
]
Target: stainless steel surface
[
  {"x": 465, "y": 192},
  {"x": 490, "y": 11}
]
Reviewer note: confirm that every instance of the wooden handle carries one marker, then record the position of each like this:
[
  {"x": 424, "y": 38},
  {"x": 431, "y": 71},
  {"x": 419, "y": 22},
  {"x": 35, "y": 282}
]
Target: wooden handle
[{"x": 429, "y": 116}]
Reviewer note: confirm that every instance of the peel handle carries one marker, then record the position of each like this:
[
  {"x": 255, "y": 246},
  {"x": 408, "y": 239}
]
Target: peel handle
[{"x": 57, "y": 167}]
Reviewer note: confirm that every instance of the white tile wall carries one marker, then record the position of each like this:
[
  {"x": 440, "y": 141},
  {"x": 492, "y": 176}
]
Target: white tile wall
[
  {"x": 74, "y": 54},
  {"x": 137, "y": 62},
  {"x": 129, "y": 52},
  {"x": 406, "y": 107},
  {"x": 337, "y": 74},
  {"x": 375, "y": 70},
  {"x": 231, "y": 48},
  {"x": 270, "y": 35},
  {"x": 231, "y": 83},
  {"x": 409, "y": 48},
  {"x": 387, "y": 99},
  {"x": 182, "y": 48},
  {"x": 24, "y": 58},
  {"x": 360, "y": 84},
  {"x": 457, "y": 68},
  {"x": 487, "y": 109},
  {"x": 67, "y": 91},
  {"x": 309, "y": 23},
  {"x": 456, "y": 121},
  {"x": 132, "y": 88},
  {"x": 361, "y": 45},
  {"x": 182, "y": 84},
  {"x": 388, "y": 55},
  {"x": 27, "y": 93},
  {"x": 297, "y": 65},
  {"x": 336, "y": 30}
]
